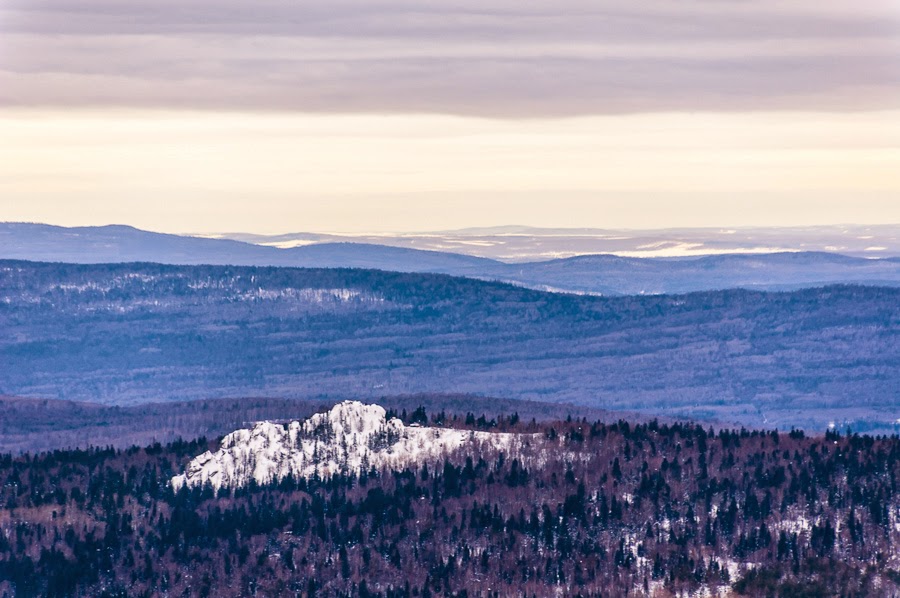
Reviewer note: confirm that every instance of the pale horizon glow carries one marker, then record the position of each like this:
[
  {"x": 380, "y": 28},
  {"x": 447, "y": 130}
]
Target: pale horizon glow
[
  {"x": 208, "y": 172},
  {"x": 276, "y": 116}
]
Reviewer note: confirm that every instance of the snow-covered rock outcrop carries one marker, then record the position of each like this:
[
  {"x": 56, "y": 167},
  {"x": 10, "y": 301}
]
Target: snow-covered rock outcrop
[{"x": 349, "y": 438}]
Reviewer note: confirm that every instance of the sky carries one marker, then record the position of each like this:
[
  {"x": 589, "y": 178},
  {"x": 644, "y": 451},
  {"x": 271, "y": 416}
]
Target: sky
[{"x": 398, "y": 115}]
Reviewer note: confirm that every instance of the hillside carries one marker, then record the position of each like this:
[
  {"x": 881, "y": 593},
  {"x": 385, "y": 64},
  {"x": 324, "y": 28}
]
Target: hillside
[
  {"x": 612, "y": 275},
  {"x": 122, "y": 244},
  {"x": 594, "y": 274},
  {"x": 581, "y": 509},
  {"x": 128, "y": 334},
  {"x": 351, "y": 438}
]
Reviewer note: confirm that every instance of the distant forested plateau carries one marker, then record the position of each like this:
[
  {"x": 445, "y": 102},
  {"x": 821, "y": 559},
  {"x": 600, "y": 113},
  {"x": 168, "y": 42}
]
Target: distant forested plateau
[{"x": 127, "y": 334}]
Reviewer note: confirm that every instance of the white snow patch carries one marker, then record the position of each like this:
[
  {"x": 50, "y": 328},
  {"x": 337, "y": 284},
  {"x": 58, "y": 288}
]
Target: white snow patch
[
  {"x": 350, "y": 438},
  {"x": 289, "y": 244}
]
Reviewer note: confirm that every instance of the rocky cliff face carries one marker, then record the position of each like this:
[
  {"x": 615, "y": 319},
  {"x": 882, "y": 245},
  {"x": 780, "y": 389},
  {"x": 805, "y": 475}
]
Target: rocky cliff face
[{"x": 350, "y": 438}]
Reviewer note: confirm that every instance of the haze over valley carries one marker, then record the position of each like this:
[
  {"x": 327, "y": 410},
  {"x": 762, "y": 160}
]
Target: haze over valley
[{"x": 527, "y": 243}]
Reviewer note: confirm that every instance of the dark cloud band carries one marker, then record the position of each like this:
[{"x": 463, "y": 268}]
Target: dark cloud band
[{"x": 498, "y": 58}]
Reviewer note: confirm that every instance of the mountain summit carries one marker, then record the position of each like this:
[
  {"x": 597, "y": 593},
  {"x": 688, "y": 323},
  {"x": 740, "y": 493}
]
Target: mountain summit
[{"x": 348, "y": 439}]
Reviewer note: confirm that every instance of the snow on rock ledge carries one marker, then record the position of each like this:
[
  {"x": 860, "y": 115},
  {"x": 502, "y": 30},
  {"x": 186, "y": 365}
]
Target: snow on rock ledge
[{"x": 349, "y": 438}]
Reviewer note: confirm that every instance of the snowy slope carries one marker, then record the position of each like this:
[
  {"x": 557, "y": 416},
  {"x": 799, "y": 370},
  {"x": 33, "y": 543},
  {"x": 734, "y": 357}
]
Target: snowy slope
[{"x": 349, "y": 438}]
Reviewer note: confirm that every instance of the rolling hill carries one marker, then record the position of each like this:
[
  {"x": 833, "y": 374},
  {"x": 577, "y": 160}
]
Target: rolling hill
[
  {"x": 136, "y": 333},
  {"x": 593, "y": 274}
]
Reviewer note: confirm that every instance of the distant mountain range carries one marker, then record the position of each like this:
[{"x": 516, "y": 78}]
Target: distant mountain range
[
  {"x": 526, "y": 244},
  {"x": 596, "y": 274}
]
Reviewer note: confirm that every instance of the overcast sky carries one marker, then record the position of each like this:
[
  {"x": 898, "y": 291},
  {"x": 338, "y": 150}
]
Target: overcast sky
[{"x": 277, "y": 116}]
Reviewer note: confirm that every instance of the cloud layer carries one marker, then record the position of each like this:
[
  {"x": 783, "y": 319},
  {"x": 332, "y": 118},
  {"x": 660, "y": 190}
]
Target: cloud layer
[{"x": 482, "y": 58}]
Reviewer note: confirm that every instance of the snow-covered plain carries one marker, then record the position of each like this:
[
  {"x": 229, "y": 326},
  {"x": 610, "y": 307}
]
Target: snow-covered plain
[{"x": 350, "y": 438}]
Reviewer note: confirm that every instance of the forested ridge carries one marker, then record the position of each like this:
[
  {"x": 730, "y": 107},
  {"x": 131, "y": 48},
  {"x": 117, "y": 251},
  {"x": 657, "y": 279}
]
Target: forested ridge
[
  {"x": 594, "y": 509},
  {"x": 126, "y": 334}
]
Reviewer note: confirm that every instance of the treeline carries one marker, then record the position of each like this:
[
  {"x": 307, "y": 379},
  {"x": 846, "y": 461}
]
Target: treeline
[
  {"x": 39, "y": 425},
  {"x": 593, "y": 509}
]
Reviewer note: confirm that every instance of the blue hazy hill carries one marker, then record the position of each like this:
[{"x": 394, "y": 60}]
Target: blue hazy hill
[
  {"x": 134, "y": 333},
  {"x": 597, "y": 274}
]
